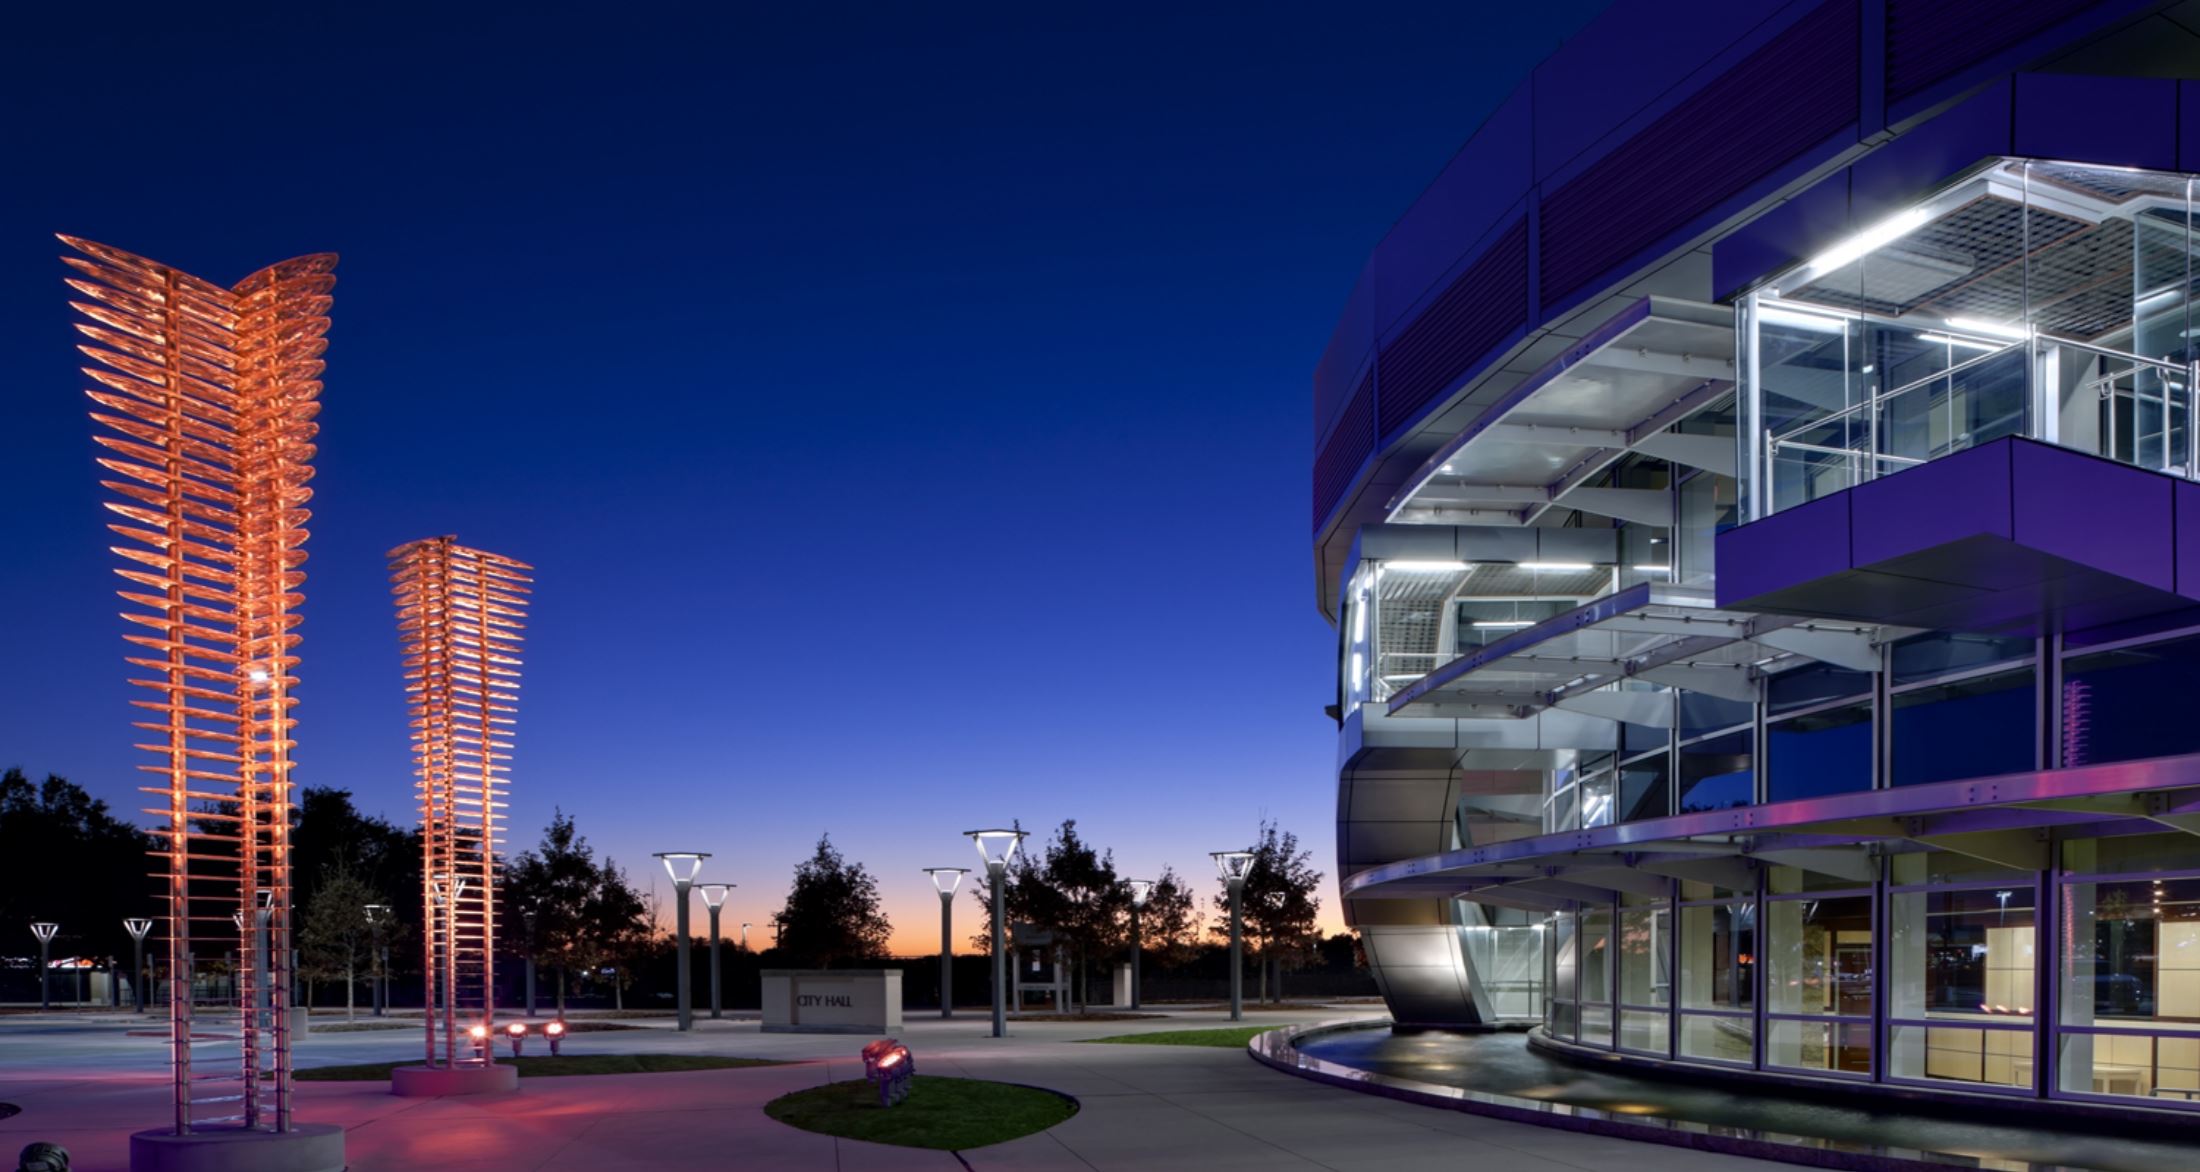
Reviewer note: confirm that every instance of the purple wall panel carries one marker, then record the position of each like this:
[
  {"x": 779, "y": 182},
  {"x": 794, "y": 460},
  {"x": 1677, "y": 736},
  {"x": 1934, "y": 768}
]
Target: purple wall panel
[
  {"x": 2119, "y": 121},
  {"x": 2185, "y": 502},
  {"x": 1929, "y": 40},
  {"x": 1454, "y": 218},
  {"x": 1787, "y": 96},
  {"x": 1346, "y": 451},
  {"x": 2094, "y": 512},
  {"x": 1786, "y": 235},
  {"x": 1631, "y": 57},
  {"x": 2188, "y": 125},
  {"x": 1897, "y": 174},
  {"x": 1351, "y": 347},
  {"x": 1805, "y": 542},
  {"x": 1960, "y": 496},
  {"x": 1486, "y": 303}
]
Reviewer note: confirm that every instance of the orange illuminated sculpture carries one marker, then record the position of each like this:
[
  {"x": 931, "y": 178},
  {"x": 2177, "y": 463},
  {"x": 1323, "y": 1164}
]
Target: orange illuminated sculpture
[
  {"x": 206, "y": 398},
  {"x": 459, "y": 616}
]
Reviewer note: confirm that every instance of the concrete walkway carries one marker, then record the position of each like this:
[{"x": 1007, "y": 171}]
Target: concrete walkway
[{"x": 88, "y": 1086}]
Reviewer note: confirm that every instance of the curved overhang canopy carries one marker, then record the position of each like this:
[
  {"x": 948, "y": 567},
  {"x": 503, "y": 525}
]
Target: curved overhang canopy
[
  {"x": 1618, "y": 391},
  {"x": 2010, "y": 821}
]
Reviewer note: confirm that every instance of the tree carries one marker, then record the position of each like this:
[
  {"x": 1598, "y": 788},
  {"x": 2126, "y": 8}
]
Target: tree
[
  {"x": 832, "y": 914},
  {"x": 336, "y": 930},
  {"x": 55, "y": 831},
  {"x": 1279, "y": 903},
  {"x": 1167, "y": 925},
  {"x": 1073, "y": 891},
  {"x": 583, "y": 914}
]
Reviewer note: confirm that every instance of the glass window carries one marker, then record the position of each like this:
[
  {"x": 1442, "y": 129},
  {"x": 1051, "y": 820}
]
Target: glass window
[
  {"x": 1931, "y": 866},
  {"x": 1959, "y": 984},
  {"x": 1938, "y": 653},
  {"x": 1645, "y": 931},
  {"x": 2131, "y": 704},
  {"x": 1820, "y": 953},
  {"x": 1715, "y": 773},
  {"x": 1845, "y": 1046},
  {"x": 1825, "y": 752},
  {"x": 2126, "y": 853},
  {"x": 1807, "y": 687},
  {"x": 2131, "y": 988},
  {"x": 1596, "y": 975},
  {"x": 1702, "y": 713},
  {"x": 1645, "y": 788},
  {"x": 1977, "y": 727},
  {"x": 1717, "y": 1038},
  {"x": 1718, "y": 956}
]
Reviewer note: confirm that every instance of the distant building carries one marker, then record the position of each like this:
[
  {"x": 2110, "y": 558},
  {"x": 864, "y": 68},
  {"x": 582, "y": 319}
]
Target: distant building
[{"x": 1756, "y": 488}]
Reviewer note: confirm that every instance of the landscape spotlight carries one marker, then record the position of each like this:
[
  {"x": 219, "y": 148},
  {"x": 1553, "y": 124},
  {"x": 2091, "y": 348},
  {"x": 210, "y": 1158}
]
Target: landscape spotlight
[
  {"x": 1235, "y": 866},
  {"x": 997, "y": 847},
  {"x": 516, "y": 1033},
  {"x": 480, "y": 1035},
  {"x": 555, "y": 1031}
]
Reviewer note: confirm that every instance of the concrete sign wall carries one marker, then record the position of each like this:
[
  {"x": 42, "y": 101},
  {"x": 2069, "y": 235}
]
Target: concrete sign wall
[{"x": 832, "y": 1001}]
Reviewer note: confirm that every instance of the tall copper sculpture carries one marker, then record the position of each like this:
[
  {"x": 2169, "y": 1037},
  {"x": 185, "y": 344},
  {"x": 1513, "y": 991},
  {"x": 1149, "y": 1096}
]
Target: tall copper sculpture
[
  {"x": 207, "y": 398},
  {"x": 459, "y": 616}
]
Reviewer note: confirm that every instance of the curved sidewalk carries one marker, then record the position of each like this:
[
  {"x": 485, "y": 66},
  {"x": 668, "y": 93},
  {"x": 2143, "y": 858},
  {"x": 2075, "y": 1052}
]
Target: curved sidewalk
[{"x": 1143, "y": 1107}]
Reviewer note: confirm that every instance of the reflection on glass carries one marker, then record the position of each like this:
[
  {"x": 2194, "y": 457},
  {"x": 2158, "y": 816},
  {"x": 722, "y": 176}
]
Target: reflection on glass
[
  {"x": 1978, "y": 727},
  {"x": 2131, "y": 988},
  {"x": 1959, "y": 984},
  {"x": 1820, "y": 753},
  {"x": 1715, "y": 773},
  {"x": 2131, "y": 704}
]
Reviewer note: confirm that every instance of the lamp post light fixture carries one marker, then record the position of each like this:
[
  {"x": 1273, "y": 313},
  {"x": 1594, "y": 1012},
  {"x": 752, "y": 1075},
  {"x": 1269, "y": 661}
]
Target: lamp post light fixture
[
  {"x": 683, "y": 866},
  {"x": 997, "y": 847},
  {"x": 137, "y": 928},
  {"x": 745, "y": 937},
  {"x": 45, "y": 933},
  {"x": 1235, "y": 866},
  {"x": 714, "y": 897},
  {"x": 1141, "y": 890},
  {"x": 945, "y": 880},
  {"x": 378, "y": 918}
]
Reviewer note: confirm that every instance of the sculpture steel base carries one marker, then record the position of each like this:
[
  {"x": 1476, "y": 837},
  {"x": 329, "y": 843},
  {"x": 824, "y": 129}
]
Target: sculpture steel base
[
  {"x": 306, "y": 1147},
  {"x": 426, "y": 1082}
]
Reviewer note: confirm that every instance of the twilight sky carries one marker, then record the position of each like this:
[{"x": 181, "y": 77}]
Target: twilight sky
[{"x": 906, "y": 406}]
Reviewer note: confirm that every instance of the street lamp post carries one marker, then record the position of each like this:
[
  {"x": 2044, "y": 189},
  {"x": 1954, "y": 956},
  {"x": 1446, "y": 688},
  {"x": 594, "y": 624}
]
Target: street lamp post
[
  {"x": 997, "y": 847},
  {"x": 527, "y": 923},
  {"x": 378, "y": 918},
  {"x": 137, "y": 929},
  {"x": 1235, "y": 865},
  {"x": 1140, "y": 890},
  {"x": 745, "y": 937},
  {"x": 44, "y": 931},
  {"x": 714, "y": 897},
  {"x": 945, "y": 880},
  {"x": 683, "y": 866}
]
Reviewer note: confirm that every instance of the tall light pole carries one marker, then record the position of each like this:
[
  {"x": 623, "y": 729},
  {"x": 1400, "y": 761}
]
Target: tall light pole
[
  {"x": 997, "y": 847},
  {"x": 1235, "y": 866},
  {"x": 945, "y": 880},
  {"x": 137, "y": 928},
  {"x": 44, "y": 931},
  {"x": 745, "y": 937},
  {"x": 1140, "y": 890},
  {"x": 378, "y": 919},
  {"x": 683, "y": 866},
  {"x": 714, "y": 897}
]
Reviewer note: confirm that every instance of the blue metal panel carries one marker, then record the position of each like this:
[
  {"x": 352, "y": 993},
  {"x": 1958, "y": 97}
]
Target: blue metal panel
[
  {"x": 1453, "y": 220},
  {"x": 1784, "y": 236},
  {"x": 2118, "y": 121}
]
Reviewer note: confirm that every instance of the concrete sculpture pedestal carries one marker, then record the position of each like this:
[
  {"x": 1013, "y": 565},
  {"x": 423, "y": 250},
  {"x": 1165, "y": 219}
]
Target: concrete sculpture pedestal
[
  {"x": 425, "y": 1082},
  {"x": 306, "y": 1147}
]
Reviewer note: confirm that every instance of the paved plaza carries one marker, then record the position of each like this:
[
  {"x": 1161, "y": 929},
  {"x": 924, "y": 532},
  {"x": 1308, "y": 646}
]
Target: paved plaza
[{"x": 87, "y": 1084}]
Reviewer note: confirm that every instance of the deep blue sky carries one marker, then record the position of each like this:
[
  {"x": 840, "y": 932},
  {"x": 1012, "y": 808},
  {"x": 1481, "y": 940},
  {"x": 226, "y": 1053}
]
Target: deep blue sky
[{"x": 906, "y": 406}]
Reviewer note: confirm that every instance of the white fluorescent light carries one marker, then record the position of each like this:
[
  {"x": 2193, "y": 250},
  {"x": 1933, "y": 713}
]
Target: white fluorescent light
[
  {"x": 1654, "y": 569},
  {"x": 1992, "y": 329},
  {"x": 1824, "y": 323},
  {"x": 1884, "y": 232},
  {"x": 1557, "y": 567},
  {"x": 1504, "y": 624},
  {"x": 1950, "y": 340},
  {"x": 1426, "y": 567},
  {"x": 1444, "y": 468}
]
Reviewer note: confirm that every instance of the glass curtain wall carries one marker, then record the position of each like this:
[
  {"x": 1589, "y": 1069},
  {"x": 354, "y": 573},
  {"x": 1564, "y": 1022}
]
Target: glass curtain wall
[
  {"x": 1818, "y": 974},
  {"x": 1961, "y": 941},
  {"x": 2030, "y": 298},
  {"x": 2130, "y": 978},
  {"x": 1718, "y": 969},
  {"x": 1645, "y": 948}
]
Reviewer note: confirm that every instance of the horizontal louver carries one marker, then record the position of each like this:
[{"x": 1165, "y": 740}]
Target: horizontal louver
[
  {"x": 1792, "y": 93},
  {"x": 1481, "y": 306},
  {"x": 1349, "y": 447}
]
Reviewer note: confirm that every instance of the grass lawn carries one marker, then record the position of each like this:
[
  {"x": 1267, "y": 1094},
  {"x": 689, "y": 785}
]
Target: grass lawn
[
  {"x": 544, "y": 1066},
  {"x": 947, "y": 1113},
  {"x": 1230, "y": 1037}
]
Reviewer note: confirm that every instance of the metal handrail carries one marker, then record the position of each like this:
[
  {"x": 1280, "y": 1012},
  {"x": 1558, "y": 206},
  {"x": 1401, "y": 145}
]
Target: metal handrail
[{"x": 1874, "y": 401}]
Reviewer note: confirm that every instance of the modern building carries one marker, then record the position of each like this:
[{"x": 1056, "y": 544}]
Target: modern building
[{"x": 1757, "y": 495}]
